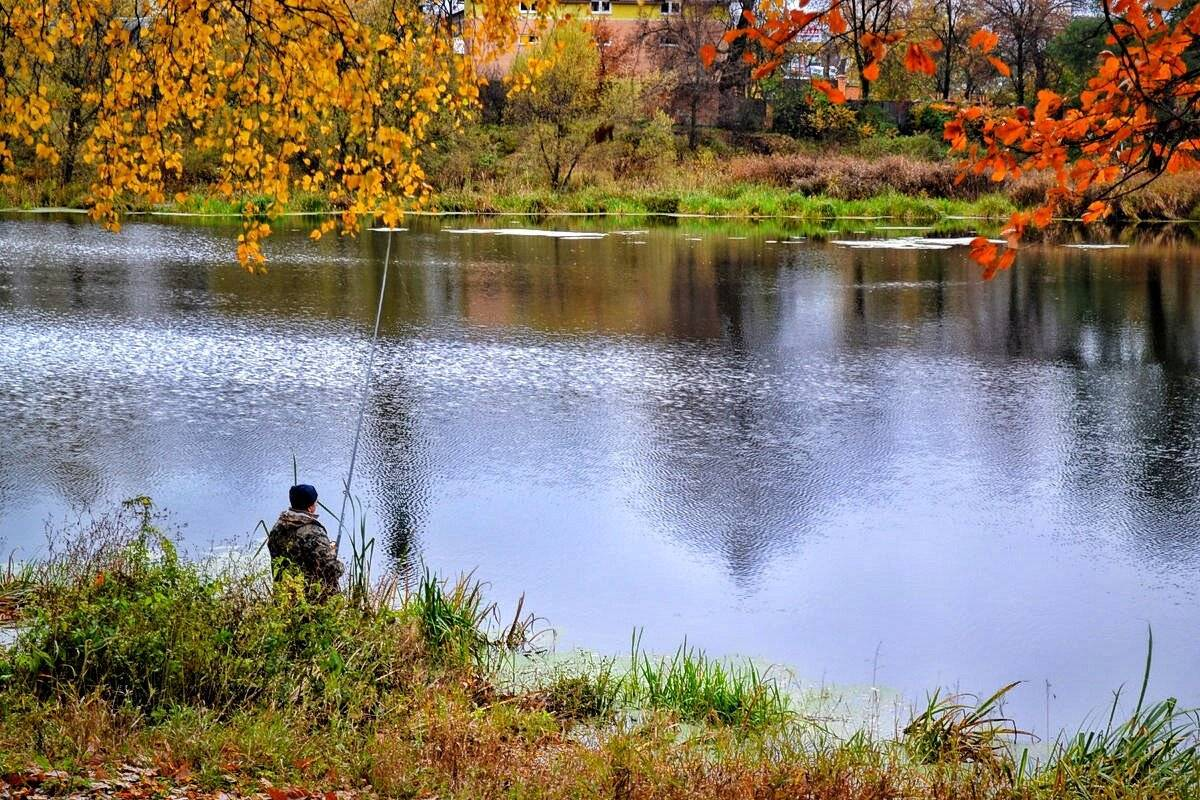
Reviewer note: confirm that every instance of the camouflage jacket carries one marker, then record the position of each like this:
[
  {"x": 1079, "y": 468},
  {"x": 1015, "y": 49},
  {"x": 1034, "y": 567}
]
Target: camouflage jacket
[{"x": 299, "y": 541}]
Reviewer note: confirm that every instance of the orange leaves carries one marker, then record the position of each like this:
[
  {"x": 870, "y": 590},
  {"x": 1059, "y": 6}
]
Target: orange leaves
[
  {"x": 1128, "y": 121},
  {"x": 835, "y": 21},
  {"x": 876, "y": 45},
  {"x": 1048, "y": 103},
  {"x": 764, "y": 69},
  {"x": 708, "y": 53},
  {"x": 835, "y": 95},
  {"x": 990, "y": 257},
  {"x": 955, "y": 134},
  {"x": 984, "y": 40},
  {"x": 983, "y": 252},
  {"x": 1097, "y": 210},
  {"x": 918, "y": 58},
  {"x": 1010, "y": 131}
]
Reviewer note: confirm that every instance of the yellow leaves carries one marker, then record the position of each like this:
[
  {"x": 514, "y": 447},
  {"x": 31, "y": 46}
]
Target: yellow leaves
[{"x": 45, "y": 152}]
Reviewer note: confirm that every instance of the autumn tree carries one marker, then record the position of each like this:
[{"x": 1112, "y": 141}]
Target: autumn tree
[
  {"x": 675, "y": 40},
  {"x": 559, "y": 95},
  {"x": 262, "y": 85},
  {"x": 1137, "y": 118},
  {"x": 871, "y": 25},
  {"x": 949, "y": 23},
  {"x": 1026, "y": 28}
]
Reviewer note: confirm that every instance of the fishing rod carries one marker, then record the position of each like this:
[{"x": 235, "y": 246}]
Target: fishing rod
[{"x": 362, "y": 408}]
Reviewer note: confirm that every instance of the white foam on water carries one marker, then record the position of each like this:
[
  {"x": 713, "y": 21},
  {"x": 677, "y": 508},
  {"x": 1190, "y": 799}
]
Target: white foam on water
[
  {"x": 528, "y": 232},
  {"x": 910, "y": 243},
  {"x": 1098, "y": 246},
  {"x": 389, "y": 230}
]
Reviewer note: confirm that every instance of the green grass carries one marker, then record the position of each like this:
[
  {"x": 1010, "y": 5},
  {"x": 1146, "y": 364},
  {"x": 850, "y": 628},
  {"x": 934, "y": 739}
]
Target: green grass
[
  {"x": 212, "y": 678},
  {"x": 739, "y": 201},
  {"x": 700, "y": 689}
]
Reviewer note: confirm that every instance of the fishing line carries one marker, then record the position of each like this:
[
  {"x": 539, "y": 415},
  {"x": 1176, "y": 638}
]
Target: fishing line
[{"x": 362, "y": 409}]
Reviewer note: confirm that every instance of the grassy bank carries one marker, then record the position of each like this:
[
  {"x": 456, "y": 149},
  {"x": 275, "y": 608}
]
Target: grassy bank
[
  {"x": 743, "y": 201},
  {"x": 740, "y": 201},
  {"x": 804, "y": 185},
  {"x": 137, "y": 671}
]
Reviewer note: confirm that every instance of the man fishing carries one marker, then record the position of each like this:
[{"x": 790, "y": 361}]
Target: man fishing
[{"x": 300, "y": 542}]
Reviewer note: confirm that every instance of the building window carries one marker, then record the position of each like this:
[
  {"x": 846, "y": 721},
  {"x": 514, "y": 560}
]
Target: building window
[
  {"x": 528, "y": 8},
  {"x": 670, "y": 7},
  {"x": 601, "y": 6}
]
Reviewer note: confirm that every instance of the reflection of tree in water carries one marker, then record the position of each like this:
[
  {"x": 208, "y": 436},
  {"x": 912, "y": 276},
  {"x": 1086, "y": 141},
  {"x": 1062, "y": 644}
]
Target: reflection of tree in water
[
  {"x": 1126, "y": 334},
  {"x": 717, "y": 470},
  {"x": 395, "y": 457},
  {"x": 393, "y": 452},
  {"x": 1165, "y": 472}
]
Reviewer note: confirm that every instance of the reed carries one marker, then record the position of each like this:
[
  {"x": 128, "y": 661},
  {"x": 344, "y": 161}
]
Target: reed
[
  {"x": 1155, "y": 752},
  {"x": 959, "y": 728},
  {"x": 702, "y": 689}
]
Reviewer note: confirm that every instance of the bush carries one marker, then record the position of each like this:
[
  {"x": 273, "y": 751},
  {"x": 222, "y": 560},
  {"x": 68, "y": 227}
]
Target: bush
[
  {"x": 804, "y": 114},
  {"x": 923, "y": 147},
  {"x": 929, "y": 118},
  {"x": 661, "y": 203},
  {"x": 645, "y": 148}
]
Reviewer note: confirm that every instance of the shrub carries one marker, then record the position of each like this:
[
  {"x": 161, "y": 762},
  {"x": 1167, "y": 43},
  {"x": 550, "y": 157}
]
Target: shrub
[
  {"x": 661, "y": 203},
  {"x": 929, "y": 118},
  {"x": 124, "y": 617},
  {"x": 921, "y": 146},
  {"x": 804, "y": 114},
  {"x": 645, "y": 148}
]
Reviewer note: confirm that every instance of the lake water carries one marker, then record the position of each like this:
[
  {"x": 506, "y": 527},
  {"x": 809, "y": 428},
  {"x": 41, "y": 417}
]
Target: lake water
[{"x": 863, "y": 464}]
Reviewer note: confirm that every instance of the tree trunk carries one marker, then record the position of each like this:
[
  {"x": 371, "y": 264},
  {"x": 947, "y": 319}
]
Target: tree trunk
[
  {"x": 1019, "y": 72},
  {"x": 695, "y": 103}
]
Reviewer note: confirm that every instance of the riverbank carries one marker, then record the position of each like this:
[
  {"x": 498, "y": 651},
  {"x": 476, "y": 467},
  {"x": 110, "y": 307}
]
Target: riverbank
[
  {"x": 745, "y": 201},
  {"x": 896, "y": 180},
  {"x": 138, "y": 672}
]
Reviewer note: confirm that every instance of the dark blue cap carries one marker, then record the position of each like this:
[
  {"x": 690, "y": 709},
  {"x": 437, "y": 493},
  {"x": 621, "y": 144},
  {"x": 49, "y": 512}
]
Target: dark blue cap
[{"x": 302, "y": 496}]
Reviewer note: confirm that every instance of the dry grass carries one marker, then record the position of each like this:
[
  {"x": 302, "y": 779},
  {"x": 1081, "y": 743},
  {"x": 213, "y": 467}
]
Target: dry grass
[{"x": 846, "y": 177}]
